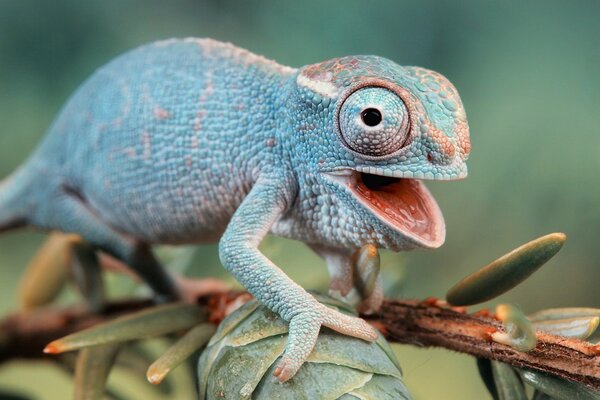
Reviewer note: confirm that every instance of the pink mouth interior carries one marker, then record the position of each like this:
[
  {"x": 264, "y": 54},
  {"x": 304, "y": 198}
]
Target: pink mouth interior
[{"x": 406, "y": 203}]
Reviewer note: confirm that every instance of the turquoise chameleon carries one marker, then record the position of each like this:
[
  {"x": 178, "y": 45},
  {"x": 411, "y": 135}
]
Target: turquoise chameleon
[{"x": 194, "y": 141}]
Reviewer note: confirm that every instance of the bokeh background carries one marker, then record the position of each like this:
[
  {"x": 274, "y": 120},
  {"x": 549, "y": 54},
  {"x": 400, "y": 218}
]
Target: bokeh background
[{"x": 528, "y": 76}]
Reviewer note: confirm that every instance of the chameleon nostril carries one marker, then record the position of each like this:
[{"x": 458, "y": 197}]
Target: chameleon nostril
[{"x": 430, "y": 157}]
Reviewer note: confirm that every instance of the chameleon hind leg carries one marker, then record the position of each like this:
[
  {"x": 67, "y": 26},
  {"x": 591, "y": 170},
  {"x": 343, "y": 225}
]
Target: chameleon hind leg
[
  {"x": 354, "y": 276},
  {"x": 63, "y": 256},
  {"x": 73, "y": 215}
]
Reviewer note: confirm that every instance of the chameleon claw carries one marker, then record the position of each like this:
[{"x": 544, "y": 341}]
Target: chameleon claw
[
  {"x": 285, "y": 370},
  {"x": 303, "y": 333}
]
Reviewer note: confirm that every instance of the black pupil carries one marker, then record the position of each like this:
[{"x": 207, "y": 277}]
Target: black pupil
[{"x": 371, "y": 116}]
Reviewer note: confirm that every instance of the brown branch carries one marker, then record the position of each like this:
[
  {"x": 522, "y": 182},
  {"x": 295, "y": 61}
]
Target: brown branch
[{"x": 423, "y": 324}]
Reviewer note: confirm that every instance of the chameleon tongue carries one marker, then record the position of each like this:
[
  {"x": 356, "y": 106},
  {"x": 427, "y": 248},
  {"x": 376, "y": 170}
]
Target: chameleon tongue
[{"x": 408, "y": 205}]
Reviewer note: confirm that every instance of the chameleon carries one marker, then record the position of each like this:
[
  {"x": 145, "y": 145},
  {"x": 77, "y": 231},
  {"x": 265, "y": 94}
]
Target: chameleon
[{"x": 189, "y": 141}]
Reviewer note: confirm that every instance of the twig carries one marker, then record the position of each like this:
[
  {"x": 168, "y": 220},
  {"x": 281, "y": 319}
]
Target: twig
[
  {"x": 23, "y": 335},
  {"x": 423, "y": 324}
]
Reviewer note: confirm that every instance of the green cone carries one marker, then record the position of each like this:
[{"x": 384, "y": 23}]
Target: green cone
[{"x": 240, "y": 363}]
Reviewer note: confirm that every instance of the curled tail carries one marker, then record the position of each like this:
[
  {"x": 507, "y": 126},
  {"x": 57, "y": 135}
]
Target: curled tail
[{"x": 14, "y": 204}]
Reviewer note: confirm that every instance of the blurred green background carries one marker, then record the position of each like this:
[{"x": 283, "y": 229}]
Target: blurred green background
[{"x": 528, "y": 76}]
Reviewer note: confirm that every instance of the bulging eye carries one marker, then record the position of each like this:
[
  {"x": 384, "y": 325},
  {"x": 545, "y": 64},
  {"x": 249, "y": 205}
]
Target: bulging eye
[{"x": 374, "y": 121}]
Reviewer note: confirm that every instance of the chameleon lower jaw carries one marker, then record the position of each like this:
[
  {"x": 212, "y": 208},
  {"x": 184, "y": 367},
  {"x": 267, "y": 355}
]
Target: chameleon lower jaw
[{"x": 403, "y": 204}]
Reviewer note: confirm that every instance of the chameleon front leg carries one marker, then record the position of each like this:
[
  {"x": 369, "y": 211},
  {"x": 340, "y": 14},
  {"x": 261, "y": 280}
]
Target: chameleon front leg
[
  {"x": 238, "y": 249},
  {"x": 346, "y": 269}
]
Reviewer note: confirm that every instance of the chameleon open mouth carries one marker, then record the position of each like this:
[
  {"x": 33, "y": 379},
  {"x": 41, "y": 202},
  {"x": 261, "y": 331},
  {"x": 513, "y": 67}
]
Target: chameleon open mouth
[{"x": 404, "y": 204}]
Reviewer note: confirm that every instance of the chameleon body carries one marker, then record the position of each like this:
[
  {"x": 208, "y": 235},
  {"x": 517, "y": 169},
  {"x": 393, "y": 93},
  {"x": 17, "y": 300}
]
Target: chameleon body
[{"x": 193, "y": 140}]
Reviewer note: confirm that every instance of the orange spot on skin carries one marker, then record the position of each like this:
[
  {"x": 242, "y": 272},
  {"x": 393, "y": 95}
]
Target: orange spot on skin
[
  {"x": 147, "y": 145},
  {"x": 459, "y": 309},
  {"x": 198, "y": 120},
  {"x": 130, "y": 152},
  {"x": 210, "y": 89},
  {"x": 441, "y": 143},
  {"x": 306, "y": 127},
  {"x": 161, "y": 113},
  {"x": 444, "y": 142},
  {"x": 464, "y": 143},
  {"x": 465, "y": 146}
]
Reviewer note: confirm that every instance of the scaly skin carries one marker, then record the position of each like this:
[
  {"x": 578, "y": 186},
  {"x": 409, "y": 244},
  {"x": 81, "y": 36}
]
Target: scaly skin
[{"x": 189, "y": 141}]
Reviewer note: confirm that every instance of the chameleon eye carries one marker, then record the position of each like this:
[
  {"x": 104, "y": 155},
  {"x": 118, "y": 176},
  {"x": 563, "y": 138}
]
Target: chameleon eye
[{"x": 374, "y": 121}]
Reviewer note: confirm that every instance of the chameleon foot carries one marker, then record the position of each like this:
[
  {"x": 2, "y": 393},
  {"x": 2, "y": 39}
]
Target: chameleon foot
[
  {"x": 192, "y": 288},
  {"x": 303, "y": 333},
  {"x": 348, "y": 325},
  {"x": 340, "y": 286}
]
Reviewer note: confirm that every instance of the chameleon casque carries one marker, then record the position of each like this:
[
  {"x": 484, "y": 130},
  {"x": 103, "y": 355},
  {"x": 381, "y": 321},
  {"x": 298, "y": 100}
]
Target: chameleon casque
[{"x": 194, "y": 141}]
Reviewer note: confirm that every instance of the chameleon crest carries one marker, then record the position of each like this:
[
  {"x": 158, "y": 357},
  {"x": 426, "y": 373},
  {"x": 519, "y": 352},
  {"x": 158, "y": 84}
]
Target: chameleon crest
[{"x": 193, "y": 140}]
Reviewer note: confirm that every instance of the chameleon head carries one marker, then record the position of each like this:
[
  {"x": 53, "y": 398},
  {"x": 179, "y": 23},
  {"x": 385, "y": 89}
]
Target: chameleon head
[{"x": 371, "y": 130}]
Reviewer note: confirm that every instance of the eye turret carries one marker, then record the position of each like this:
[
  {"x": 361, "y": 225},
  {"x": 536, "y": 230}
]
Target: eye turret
[{"x": 374, "y": 121}]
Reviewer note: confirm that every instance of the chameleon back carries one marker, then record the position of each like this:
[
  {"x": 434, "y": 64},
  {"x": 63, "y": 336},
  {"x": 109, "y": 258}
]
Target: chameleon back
[{"x": 159, "y": 132}]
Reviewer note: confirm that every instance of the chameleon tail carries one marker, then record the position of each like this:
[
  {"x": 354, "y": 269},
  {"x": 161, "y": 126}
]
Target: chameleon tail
[{"x": 13, "y": 203}]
